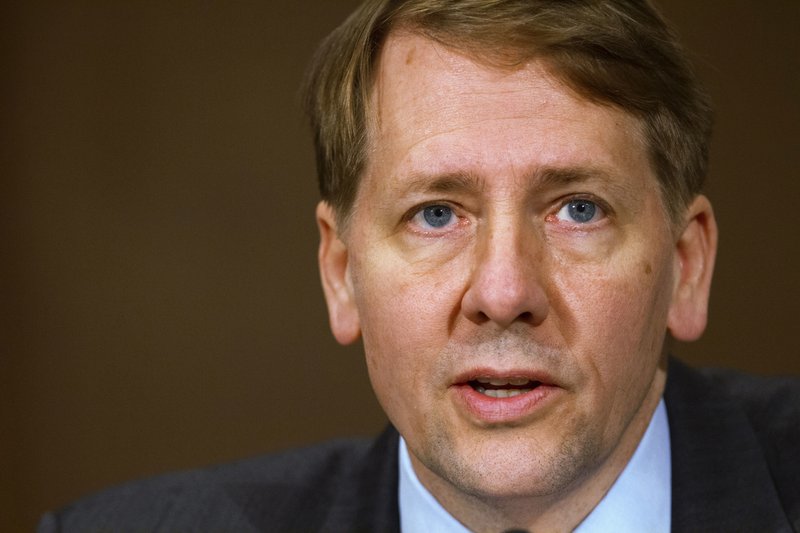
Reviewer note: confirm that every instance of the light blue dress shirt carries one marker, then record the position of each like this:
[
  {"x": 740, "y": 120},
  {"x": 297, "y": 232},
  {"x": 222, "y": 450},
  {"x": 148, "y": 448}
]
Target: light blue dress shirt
[{"x": 639, "y": 500}]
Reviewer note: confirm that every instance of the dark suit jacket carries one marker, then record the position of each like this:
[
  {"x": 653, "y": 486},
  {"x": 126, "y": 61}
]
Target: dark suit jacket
[{"x": 735, "y": 467}]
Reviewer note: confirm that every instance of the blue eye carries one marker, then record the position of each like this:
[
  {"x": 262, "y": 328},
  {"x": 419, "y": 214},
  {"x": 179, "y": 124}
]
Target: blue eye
[
  {"x": 579, "y": 211},
  {"x": 437, "y": 216}
]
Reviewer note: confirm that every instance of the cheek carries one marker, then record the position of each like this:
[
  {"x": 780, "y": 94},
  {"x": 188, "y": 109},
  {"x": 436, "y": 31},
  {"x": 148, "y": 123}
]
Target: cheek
[
  {"x": 404, "y": 302},
  {"x": 618, "y": 328},
  {"x": 402, "y": 336},
  {"x": 405, "y": 312},
  {"x": 614, "y": 317}
]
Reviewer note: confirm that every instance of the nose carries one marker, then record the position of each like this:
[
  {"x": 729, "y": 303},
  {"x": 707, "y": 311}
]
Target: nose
[{"x": 506, "y": 284}]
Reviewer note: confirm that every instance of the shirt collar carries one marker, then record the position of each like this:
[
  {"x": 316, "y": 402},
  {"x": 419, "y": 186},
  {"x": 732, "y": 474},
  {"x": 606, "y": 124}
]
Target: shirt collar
[{"x": 639, "y": 500}]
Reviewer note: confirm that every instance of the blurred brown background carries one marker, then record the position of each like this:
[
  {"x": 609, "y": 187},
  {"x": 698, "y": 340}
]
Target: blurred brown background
[{"x": 161, "y": 306}]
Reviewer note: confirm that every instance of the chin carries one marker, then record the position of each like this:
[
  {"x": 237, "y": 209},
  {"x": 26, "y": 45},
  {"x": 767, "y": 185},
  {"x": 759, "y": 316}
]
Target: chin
[{"x": 510, "y": 467}]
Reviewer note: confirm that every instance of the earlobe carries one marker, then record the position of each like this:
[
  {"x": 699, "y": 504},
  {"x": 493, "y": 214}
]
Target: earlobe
[
  {"x": 696, "y": 250},
  {"x": 336, "y": 284}
]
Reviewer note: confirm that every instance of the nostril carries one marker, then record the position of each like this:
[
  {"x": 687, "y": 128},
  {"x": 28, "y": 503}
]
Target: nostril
[{"x": 527, "y": 316}]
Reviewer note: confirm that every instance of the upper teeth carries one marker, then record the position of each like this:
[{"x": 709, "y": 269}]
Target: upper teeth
[
  {"x": 501, "y": 393},
  {"x": 503, "y": 381}
]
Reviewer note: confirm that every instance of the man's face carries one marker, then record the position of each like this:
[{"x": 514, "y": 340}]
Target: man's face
[{"x": 511, "y": 269}]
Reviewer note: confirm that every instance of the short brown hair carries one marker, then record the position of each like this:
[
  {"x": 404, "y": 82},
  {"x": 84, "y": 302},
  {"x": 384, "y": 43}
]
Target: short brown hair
[{"x": 612, "y": 52}]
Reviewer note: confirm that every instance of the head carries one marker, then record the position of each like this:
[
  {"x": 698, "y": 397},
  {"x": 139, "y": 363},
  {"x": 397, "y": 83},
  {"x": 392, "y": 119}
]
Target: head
[{"x": 511, "y": 220}]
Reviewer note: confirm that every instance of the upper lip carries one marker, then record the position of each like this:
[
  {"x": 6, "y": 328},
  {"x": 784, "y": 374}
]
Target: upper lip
[{"x": 503, "y": 376}]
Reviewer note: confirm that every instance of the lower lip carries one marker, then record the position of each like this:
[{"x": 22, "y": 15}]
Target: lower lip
[{"x": 491, "y": 410}]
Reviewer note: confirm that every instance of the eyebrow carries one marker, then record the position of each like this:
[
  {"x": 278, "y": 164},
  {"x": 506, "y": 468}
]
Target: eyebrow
[
  {"x": 542, "y": 179},
  {"x": 421, "y": 182},
  {"x": 554, "y": 178}
]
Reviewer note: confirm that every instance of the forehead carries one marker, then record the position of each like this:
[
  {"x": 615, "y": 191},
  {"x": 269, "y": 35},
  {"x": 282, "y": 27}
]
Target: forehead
[
  {"x": 415, "y": 72},
  {"x": 430, "y": 104}
]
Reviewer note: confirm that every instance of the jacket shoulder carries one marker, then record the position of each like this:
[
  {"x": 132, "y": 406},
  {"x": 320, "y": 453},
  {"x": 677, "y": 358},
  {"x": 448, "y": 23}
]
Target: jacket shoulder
[
  {"x": 770, "y": 408},
  {"x": 283, "y": 491},
  {"x": 772, "y": 404}
]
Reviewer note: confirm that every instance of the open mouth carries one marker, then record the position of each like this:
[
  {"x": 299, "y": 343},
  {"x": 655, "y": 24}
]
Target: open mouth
[{"x": 503, "y": 387}]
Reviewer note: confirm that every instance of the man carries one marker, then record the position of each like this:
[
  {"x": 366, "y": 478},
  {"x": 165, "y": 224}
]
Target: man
[{"x": 512, "y": 222}]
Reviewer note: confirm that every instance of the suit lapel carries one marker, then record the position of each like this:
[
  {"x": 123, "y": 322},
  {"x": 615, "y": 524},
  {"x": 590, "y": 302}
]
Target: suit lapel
[{"x": 720, "y": 479}]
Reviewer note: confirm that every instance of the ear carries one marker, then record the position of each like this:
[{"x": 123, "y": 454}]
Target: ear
[
  {"x": 696, "y": 249},
  {"x": 335, "y": 272}
]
